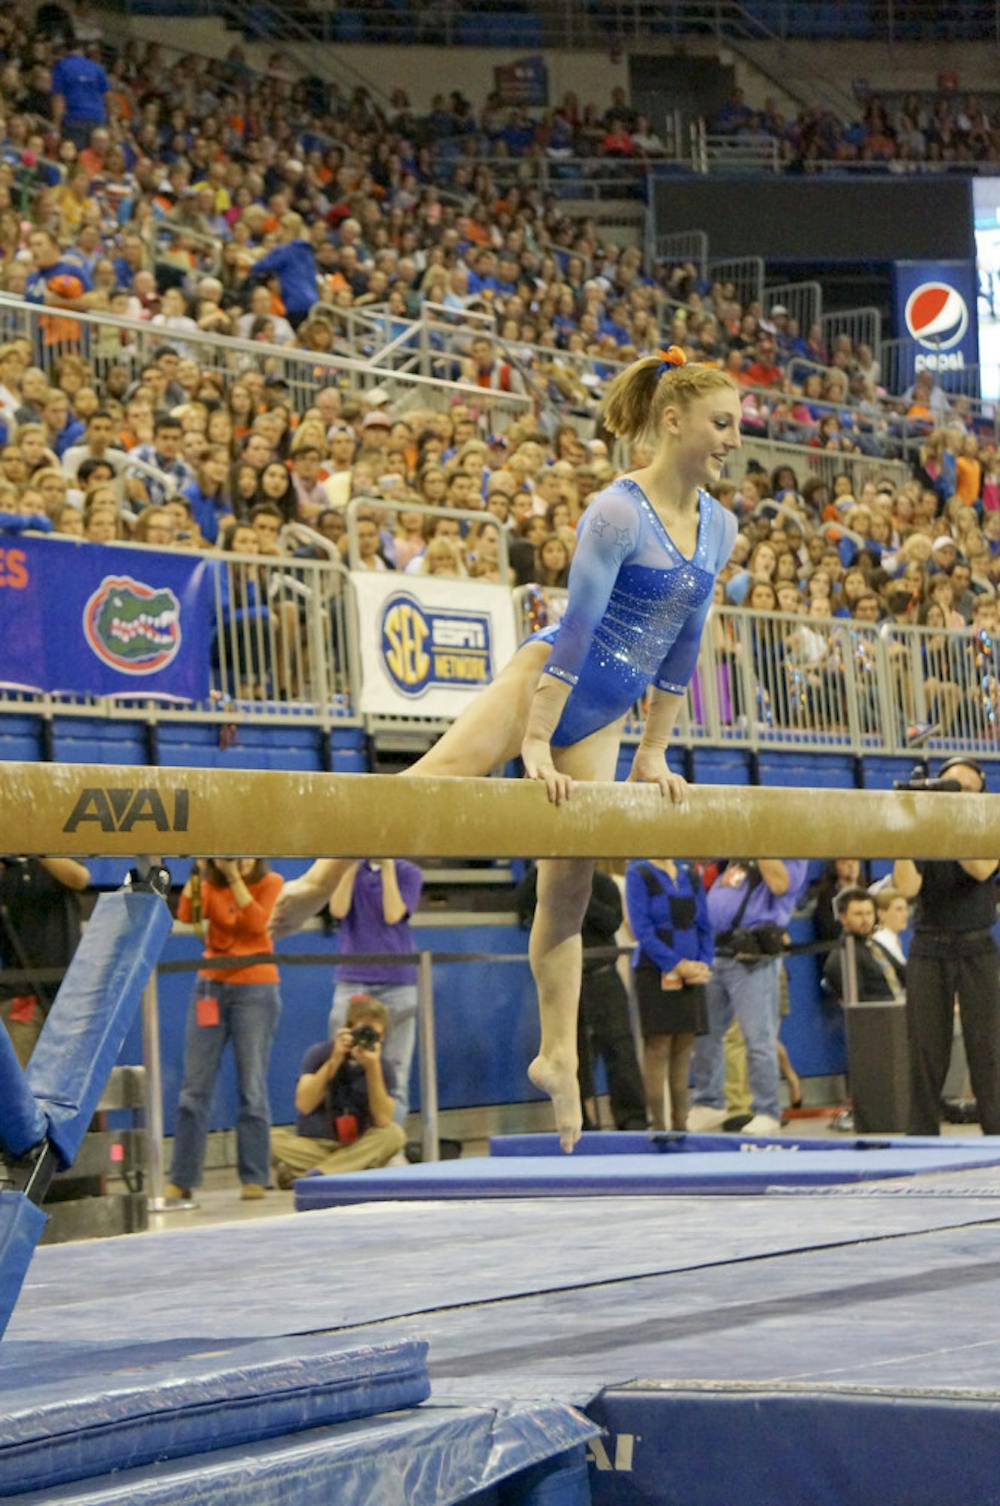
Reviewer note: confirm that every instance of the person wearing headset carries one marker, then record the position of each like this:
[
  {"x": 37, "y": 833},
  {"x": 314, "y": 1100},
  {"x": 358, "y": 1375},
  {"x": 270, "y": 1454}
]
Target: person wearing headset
[{"x": 953, "y": 954}]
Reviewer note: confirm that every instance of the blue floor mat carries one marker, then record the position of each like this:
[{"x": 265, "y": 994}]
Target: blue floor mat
[
  {"x": 806, "y": 1307},
  {"x": 117, "y": 1410},
  {"x": 657, "y": 1142},
  {"x": 755, "y": 1168},
  {"x": 411, "y": 1259},
  {"x": 435, "y": 1456}
]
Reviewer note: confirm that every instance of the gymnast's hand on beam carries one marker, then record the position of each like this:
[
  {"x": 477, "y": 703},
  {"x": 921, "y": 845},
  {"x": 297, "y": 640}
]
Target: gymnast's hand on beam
[
  {"x": 536, "y": 755},
  {"x": 649, "y": 766}
]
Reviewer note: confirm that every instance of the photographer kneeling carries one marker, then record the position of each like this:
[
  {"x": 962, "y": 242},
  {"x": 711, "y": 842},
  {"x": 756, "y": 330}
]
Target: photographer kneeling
[
  {"x": 953, "y": 954},
  {"x": 344, "y": 1102}
]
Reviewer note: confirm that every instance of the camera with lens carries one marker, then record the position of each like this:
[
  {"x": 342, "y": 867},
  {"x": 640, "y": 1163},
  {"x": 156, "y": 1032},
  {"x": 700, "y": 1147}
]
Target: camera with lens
[
  {"x": 758, "y": 942},
  {"x": 365, "y": 1036},
  {"x": 921, "y": 781}
]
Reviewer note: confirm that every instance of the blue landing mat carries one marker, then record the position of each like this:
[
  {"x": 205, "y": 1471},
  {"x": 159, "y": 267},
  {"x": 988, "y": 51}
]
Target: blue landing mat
[
  {"x": 889, "y": 1303},
  {"x": 841, "y": 1377},
  {"x": 755, "y": 1168},
  {"x": 436, "y": 1456},
  {"x": 71, "y": 1416},
  {"x": 654, "y": 1143},
  {"x": 345, "y": 1268}
]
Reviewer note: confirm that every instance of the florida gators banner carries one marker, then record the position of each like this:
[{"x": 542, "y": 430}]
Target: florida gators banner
[
  {"x": 95, "y": 619},
  {"x": 427, "y": 645}
]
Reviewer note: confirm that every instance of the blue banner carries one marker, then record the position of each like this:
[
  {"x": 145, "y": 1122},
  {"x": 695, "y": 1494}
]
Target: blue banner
[
  {"x": 936, "y": 315},
  {"x": 525, "y": 82},
  {"x": 93, "y": 619}
]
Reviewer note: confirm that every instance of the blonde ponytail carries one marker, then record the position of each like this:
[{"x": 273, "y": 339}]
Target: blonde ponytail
[{"x": 637, "y": 397}]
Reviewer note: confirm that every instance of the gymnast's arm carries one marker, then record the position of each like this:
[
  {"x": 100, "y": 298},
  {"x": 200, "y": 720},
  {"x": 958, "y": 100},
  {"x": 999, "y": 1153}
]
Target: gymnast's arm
[
  {"x": 666, "y": 697},
  {"x": 907, "y": 878}
]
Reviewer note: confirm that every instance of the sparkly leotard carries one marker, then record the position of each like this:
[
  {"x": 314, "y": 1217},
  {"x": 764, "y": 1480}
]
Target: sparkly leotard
[{"x": 636, "y": 606}]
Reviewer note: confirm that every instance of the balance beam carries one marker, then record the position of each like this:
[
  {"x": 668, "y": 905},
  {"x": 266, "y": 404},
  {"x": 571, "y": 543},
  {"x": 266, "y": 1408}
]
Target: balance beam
[{"x": 78, "y": 810}]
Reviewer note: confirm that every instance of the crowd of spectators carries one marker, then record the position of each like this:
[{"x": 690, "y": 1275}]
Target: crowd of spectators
[
  {"x": 207, "y": 199},
  {"x": 895, "y": 131}
]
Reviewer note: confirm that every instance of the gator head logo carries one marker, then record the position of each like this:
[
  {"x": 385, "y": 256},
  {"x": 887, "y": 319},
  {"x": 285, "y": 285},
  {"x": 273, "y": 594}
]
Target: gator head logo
[{"x": 131, "y": 627}]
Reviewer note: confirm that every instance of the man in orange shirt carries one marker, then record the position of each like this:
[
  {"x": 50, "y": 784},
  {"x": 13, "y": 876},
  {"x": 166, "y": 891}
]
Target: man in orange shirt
[{"x": 763, "y": 370}]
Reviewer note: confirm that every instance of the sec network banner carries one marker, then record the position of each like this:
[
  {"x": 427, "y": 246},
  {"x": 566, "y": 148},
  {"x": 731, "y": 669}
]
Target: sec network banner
[
  {"x": 427, "y": 645},
  {"x": 93, "y": 619}
]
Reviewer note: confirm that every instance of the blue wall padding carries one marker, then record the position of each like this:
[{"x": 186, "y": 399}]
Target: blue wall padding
[
  {"x": 21, "y": 1225},
  {"x": 429, "y": 1456},
  {"x": 759, "y": 1444},
  {"x": 637, "y": 1176},
  {"x": 93, "y": 1009},
  {"x": 63, "y": 1429},
  {"x": 22, "y": 1123}
]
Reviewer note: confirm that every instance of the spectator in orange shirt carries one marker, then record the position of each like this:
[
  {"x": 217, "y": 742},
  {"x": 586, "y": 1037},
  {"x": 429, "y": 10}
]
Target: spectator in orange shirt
[
  {"x": 763, "y": 370},
  {"x": 969, "y": 471},
  {"x": 231, "y": 904}
]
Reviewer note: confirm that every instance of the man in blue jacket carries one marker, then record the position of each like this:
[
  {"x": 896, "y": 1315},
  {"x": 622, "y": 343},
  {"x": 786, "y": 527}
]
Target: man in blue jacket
[
  {"x": 749, "y": 907},
  {"x": 293, "y": 262}
]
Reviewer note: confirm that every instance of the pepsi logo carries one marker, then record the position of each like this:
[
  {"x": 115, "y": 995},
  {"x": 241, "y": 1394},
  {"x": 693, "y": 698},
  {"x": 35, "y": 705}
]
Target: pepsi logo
[{"x": 936, "y": 315}]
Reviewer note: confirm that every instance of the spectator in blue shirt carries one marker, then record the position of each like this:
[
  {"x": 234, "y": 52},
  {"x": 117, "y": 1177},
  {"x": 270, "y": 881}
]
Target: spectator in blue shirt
[
  {"x": 749, "y": 906},
  {"x": 164, "y": 454},
  {"x": 208, "y": 495},
  {"x": 669, "y": 919},
  {"x": 344, "y": 1101},
  {"x": 293, "y": 262},
  {"x": 79, "y": 90}
]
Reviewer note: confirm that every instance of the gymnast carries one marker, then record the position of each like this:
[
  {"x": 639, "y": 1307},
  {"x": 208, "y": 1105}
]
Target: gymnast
[{"x": 650, "y": 546}]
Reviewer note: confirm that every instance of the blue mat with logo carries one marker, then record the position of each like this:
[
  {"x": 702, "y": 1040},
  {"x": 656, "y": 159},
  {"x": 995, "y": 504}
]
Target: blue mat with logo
[{"x": 752, "y": 1167}]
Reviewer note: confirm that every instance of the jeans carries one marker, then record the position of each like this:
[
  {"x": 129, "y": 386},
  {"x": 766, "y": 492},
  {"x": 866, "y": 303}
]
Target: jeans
[
  {"x": 248, "y": 1015},
  {"x": 749, "y": 995},
  {"x": 400, "y": 999}
]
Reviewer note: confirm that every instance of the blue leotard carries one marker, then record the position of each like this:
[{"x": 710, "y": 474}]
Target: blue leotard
[{"x": 636, "y": 609}]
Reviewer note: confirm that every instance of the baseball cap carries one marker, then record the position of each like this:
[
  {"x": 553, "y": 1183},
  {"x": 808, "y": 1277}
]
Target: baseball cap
[
  {"x": 943, "y": 539},
  {"x": 377, "y": 421},
  {"x": 340, "y": 431},
  {"x": 376, "y": 397},
  {"x": 778, "y": 308}
]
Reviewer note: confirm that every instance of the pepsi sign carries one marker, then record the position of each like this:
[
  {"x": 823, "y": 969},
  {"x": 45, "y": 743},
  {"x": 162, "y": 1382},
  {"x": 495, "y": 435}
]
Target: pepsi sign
[{"x": 935, "y": 305}]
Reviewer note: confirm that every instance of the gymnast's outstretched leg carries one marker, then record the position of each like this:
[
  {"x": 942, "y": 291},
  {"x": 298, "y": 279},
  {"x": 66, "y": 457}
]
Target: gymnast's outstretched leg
[{"x": 486, "y": 735}]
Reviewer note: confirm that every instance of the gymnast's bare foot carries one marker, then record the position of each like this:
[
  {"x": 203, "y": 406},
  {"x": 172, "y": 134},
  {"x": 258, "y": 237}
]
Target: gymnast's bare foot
[{"x": 558, "y": 1080}]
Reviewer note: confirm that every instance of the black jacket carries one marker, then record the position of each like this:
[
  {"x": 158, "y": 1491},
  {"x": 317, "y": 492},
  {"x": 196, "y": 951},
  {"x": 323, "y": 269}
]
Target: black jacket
[{"x": 873, "y": 984}]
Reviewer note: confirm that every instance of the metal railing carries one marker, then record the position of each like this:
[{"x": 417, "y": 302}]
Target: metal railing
[
  {"x": 282, "y": 648},
  {"x": 305, "y": 372},
  {"x": 803, "y": 300},
  {"x": 807, "y": 461},
  {"x": 681, "y": 246},
  {"x": 572, "y": 178},
  {"x": 385, "y": 511},
  {"x": 769, "y": 679},
  {"x": 862, "y": 326},
  {"x": 746, "y": 273},
  {"x": 552, "y": 24},
  {"x": 289, "y": 628},
  {"x": 901, "y": 359},
  {"x": 714, "y": 152}
]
